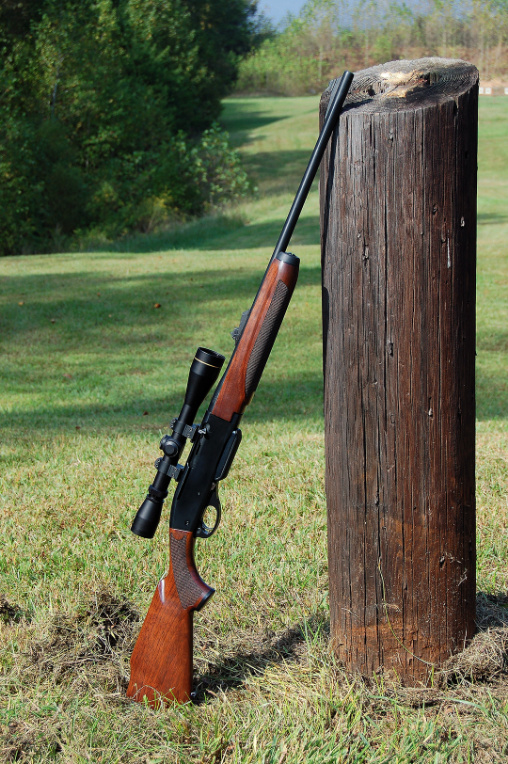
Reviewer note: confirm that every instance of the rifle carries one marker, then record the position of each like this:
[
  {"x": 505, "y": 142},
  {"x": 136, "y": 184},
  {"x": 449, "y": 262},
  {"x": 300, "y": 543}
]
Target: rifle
[{"x": 161, "y": 663}]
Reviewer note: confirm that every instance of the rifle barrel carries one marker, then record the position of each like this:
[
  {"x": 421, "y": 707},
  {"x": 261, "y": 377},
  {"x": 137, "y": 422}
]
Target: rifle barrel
[{"x": 337, "y": 98}]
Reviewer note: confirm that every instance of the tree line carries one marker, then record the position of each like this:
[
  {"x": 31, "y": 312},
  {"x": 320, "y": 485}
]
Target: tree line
[
  {"x": 328, "y": 36},
  {"x": 108, "y": 108},
  {"x": 107, "y": 114}
]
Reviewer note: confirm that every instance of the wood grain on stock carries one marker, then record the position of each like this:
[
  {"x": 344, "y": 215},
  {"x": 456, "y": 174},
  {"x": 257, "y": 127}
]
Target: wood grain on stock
[
  {"x": 398, "y": 201},
  {"x": 258, "y": 335},
  {"x": 161, "y": 663}
]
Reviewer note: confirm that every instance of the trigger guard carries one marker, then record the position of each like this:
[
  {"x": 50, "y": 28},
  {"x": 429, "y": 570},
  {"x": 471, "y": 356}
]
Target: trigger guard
[{"x": 205, "y": 531}]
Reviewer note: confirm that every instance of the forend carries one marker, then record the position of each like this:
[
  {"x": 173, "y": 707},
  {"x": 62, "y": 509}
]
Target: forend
[{"x": 255, "y": 341}]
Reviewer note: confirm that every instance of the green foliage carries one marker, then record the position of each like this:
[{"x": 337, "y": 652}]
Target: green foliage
[
  {"x": 274, "y": 68},
  {"x": 184, "y": 177},
  {"x": 17, "y": 196},
  {"x": 100, "y": 100},
  {"x": 214, "y": 170},
  {"x": 330, "y": 35},
  {"x": 65, "y": 191}
]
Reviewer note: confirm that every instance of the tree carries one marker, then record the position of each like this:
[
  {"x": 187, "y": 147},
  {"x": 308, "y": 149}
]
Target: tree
[{"x": 100, "y": 99}]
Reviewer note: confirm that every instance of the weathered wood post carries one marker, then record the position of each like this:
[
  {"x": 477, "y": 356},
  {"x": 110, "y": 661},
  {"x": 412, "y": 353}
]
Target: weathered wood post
[{"x": 398, "y": 216}]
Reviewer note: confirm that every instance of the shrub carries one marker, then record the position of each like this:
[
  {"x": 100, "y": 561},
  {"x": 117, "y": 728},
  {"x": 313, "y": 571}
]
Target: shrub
[
  {"x": 95, "y": 99},
  {"x": 183, "y": 177}
]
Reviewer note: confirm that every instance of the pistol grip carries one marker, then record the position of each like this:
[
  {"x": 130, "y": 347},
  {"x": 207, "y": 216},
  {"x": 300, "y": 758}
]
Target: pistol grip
[{"x": 161, "y": 663}]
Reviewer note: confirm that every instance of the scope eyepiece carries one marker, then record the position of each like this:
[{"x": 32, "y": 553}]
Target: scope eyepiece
[{"x": 209, "y": 357}]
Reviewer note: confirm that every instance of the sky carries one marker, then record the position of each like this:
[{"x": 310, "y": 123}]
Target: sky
[{"x": 277, "y": 9}]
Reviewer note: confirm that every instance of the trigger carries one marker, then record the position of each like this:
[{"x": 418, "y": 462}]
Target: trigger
[{"x": 204, "y": 530}]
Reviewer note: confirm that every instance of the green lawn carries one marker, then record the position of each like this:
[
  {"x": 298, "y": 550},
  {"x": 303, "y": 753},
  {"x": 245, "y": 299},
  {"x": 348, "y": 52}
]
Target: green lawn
[{"x": 92, "y": 372}]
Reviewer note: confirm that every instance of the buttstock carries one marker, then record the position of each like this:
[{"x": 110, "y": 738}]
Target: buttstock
[
  {"x": 161, "y": 663},
  {"x": 251, "y": 354}
]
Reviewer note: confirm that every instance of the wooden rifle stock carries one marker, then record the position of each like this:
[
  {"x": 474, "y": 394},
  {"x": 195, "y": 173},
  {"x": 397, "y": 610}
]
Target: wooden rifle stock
[{"x": 161, "y": 663}]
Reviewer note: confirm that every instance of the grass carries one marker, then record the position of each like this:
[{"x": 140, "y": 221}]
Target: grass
[{"x": 92, "y": 372}]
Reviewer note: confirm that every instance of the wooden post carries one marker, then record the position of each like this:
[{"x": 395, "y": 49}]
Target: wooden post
[{"x": 398, "y": 216}]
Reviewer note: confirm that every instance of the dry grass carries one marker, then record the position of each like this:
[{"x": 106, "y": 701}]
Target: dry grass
[{"x": 270, "y": 697}]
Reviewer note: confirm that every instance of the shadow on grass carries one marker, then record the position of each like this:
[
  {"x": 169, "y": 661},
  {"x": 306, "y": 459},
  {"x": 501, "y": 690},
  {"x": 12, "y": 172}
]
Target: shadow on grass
[
  {"x": 492, "y": 340},
  {"x": 73, "y": 341},
  {"x": 295, "y": 398},
  {"x": 292, "y": 398},
  {"x": 240, "y": 118},
  {"x": 492, "y": 218},
  {"x": 491, "y": 393},
  {"x": 223, "y": 233},
  {"x": 288, "y": 646},
  {"x": 482, "y": 661},
  {"x": 78, "y": 303},
  {"x": 281, "y": 170},
  {"x": 243, "y": 115},
  {"x": 112, "y": 323}
]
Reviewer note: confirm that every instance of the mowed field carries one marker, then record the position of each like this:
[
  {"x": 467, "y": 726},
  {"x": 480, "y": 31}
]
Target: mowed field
[{"x": 95, "y": 350}]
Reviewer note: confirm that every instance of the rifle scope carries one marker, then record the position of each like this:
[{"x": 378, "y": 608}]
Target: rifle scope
[{"x": 203, "y": 373}]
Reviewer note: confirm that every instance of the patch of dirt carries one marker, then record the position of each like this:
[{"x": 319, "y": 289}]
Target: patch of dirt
[
  {"x": 485, "y": 659},
  {"x": 10, "y": 613},
  {"x": 20, "y": 742},
  {"x": 112, "y": 619},
  {"x": 99, "y": 637}
]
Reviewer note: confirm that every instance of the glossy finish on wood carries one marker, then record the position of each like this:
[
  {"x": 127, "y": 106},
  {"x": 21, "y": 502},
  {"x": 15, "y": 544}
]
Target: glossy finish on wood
[
  {"x": 258, "y": 336},
  {"x": 398, "y": 200},
  {"x": 161, "y": 664}
]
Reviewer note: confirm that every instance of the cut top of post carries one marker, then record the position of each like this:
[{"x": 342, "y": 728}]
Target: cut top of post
[{"x": 402, "y": 85}]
